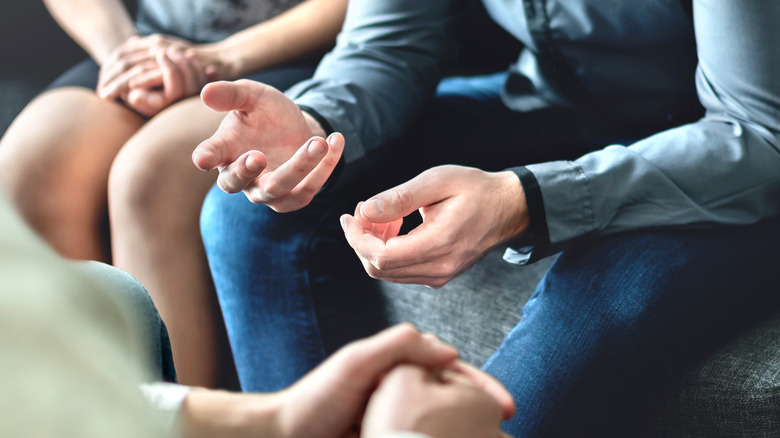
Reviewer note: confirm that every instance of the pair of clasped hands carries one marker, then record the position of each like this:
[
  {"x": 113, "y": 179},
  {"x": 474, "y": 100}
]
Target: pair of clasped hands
[
  {"x": 276, "y": 154},
  {"x": 150, "y": 73}
]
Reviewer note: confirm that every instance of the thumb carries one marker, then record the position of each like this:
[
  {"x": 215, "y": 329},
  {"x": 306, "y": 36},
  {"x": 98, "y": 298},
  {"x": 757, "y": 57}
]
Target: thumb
[
  {"x": 400, "y": 201},
  {"x": 241, "y": 95}
]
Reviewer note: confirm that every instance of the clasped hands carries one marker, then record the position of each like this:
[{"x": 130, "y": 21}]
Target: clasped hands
[
  {"x": 150, "y": 73},
  {"x": 397, "y": 380}
]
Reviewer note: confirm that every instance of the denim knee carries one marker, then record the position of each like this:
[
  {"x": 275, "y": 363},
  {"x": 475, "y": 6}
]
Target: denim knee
[{"x": 139, "y": 305}]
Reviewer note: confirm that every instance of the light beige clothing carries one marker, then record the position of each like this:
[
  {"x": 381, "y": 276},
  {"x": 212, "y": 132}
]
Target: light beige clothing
[
  {"x": 70, "y": 353},
  {"x": 68, "y": 350}
]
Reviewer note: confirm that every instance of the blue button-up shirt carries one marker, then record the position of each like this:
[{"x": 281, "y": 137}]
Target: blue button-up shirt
[{"x": 630, "y": 61}]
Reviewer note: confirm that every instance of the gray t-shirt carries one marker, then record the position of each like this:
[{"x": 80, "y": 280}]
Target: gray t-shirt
[{"x": 206, "y": 20}]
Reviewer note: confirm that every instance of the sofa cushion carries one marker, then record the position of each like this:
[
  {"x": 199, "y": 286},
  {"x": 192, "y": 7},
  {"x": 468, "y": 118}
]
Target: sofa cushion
[
  {"x": 473, "y": 312},
  {"x": 735, "y": 391}
]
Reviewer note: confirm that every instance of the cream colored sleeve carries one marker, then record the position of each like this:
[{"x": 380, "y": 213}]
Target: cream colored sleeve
[{"x": 66, "y": 362}]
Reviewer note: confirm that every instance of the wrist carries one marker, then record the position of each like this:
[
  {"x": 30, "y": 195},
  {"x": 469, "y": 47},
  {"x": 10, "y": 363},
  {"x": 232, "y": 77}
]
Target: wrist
[
  {"x": 314, "y": 125},
  {"x": 517, "y": 221},
  {"x": 209, "y": 413},
  {"x": 226, "y": 63}
]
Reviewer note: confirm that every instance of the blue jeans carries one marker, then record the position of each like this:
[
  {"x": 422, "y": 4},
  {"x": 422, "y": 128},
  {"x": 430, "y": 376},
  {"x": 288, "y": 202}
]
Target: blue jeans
[{"x": 613, "y": 322}]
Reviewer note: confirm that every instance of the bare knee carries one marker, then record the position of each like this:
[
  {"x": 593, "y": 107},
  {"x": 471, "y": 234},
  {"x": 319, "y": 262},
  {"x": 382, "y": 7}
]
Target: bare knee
[{"x": 153, "y": 184}]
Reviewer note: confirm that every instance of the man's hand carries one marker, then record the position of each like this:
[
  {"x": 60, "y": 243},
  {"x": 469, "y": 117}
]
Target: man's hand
[
  {"x": 442, "y": 404},
  {"x": 265, "y": 146},
  {"x": 466, "y": 212}
]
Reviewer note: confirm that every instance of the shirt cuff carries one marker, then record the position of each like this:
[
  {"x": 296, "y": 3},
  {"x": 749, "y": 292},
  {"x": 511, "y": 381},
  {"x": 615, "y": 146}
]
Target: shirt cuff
[
  {"x": 565, "y": 193},
  {"x": 166, "y": 398}
]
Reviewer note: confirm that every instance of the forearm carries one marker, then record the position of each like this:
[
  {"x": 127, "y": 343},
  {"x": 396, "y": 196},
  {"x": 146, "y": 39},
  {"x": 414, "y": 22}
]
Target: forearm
[
  {"x": 721, "y": 170},
  {"x": 383, "y": 70},
  {"x": 208, "y": 413},
  {"x": 98, "y": 26},
  {"x": 310, "y": 26}
]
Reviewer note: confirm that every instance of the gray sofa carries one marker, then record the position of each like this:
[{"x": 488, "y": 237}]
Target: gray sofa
[{"x": 734, "y": 392}]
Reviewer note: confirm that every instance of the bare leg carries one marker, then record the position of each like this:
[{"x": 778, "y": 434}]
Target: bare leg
[
  {"x": 55, "y": 159},
  {"x": 155, "y": 196}
]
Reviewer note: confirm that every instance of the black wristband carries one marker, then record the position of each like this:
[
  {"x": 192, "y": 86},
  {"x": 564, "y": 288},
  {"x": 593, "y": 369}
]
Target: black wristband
[
  {"x": 538, "y": 226},
  {"x": 324, "y": 124}
]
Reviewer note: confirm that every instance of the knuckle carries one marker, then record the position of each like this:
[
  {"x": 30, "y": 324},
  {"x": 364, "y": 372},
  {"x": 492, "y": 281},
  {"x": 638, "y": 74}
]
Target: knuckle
[
  {"x": 373, "y": 272},
  {"x": 253, "y": 197},
  {"x": 307, "y": 192},
  {"x": 437, "y": 284},
  {"x": 403, "y": 199},
  {"x": 272, "y": 190},
  {"x": 224, "y": 186},
  {"x": 448, "y": 269},
  {"x": 379, "y": 262},
  {"x": 353, "y": 352},
  {"x": 407, "y": 332}
]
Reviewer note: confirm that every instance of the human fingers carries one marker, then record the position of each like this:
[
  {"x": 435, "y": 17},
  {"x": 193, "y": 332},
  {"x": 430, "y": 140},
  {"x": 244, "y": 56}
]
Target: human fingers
[
  {"x": 487, "y": 383},
  {"x": 145, "y": 101},
  {"x": 232, "y": 95},
  {"x": 109, "y": 71},
  {"x": 400, "y": 201},
  {"x": 135, "y": 50},
  {"x": 123, "y": 58},
  {"x": 119, "y": 84},
  {"x": 415, "y": 399},
  {"x": 148, "y": 79},
  {"x": 317, "y": 178},
  {"x": 173, "y": 86},
  {"x": 198, "y": 70},
  {"x": 237, "y": 175},
  {"x": 367, "y": 360},
  {"x": 418, "y": 247},
  {"x": 233, "y": 134},
  {"x": 330, "y": 400},
  {"x": 277, "y": 184},
  {"x": 189, "y": 74},
  {"x": 381, "y": 230}
]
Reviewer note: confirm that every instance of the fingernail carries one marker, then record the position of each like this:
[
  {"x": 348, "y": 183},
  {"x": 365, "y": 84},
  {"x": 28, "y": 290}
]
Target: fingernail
[
  {"x": 316, "y": 148},
  {"x": 343, "y": 222},
  {"x": 332, "y": 141},
  {"x": 374, "y": 208},
  {"x": 251, "y": 164}
]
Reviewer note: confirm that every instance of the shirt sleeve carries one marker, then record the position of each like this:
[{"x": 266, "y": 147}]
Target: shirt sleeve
[
  {"x": 723, "y": 169},
  {"x": 384, "y": 68}
]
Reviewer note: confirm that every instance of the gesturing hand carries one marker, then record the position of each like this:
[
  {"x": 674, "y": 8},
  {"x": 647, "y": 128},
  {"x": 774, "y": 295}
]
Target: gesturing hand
[
  {"x": 466, "y": 212},
  {"x": 264, "y": 146}
]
